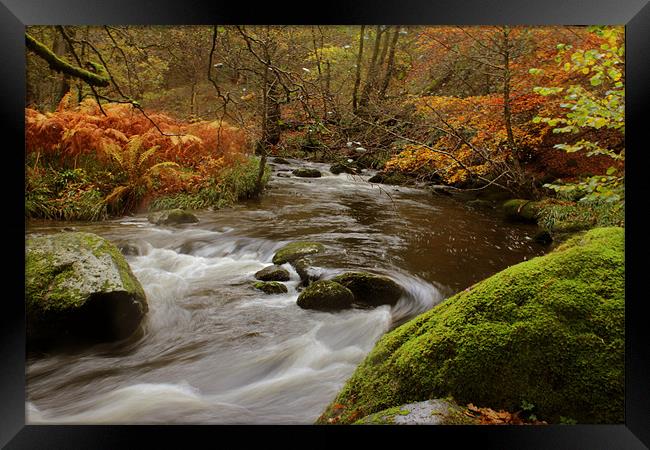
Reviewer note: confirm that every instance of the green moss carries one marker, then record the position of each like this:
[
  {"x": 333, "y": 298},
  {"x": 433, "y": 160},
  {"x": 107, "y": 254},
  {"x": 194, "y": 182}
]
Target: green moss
[
  {"x": 306, "y": 173},
  {"x": 524, "y": 210},
  {"x": 386, "y": 417},
  {"x": 549, "y": 331},
  {"x": 295, "y": 250},
  {"x": 325, "y": 295},
  {"x": 270, "y": 287}
]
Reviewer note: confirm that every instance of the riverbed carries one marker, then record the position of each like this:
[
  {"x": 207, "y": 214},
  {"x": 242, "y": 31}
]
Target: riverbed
[{"x": 213, "y": 350}]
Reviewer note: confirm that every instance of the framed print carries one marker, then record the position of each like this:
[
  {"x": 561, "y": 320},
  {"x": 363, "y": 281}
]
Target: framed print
[{"x": 277, "y": 219}]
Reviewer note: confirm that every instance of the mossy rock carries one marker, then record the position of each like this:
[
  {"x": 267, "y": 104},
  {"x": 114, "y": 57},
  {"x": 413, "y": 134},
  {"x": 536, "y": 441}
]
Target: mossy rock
[
  {"x": 370, "y": 289},
  {"x": 296, "y": 250},
  {"x": 325, "y": 295},
  {"x": 172, "y": 217},
  {"x": 272, "y": 273},
  {"x": 338, "y": 168},
  {"x": 429, "y": 412},
  {"x": 522, "y": 210},
  {"x": 270, "y": 287},
  {"x": 305, "y": 172},
  {"x": 78, "y": 285},
  {"x": 549, "y": 331},
  {"x": 280, "y": 160}
]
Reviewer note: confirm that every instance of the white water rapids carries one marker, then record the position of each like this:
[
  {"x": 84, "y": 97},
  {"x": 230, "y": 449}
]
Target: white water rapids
[{"x": 213, "y": 350}]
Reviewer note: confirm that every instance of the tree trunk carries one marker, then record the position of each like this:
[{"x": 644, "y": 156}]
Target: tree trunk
[
  {"x": 390, "y": 64},
  {"x": 372, "y": 72},
  {"x": 357, "y": 78},
  {"x": 60, "y": 49}
]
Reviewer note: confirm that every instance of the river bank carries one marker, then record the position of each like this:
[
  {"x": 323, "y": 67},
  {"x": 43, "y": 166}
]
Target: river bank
[{"x": 215, "y": 350}]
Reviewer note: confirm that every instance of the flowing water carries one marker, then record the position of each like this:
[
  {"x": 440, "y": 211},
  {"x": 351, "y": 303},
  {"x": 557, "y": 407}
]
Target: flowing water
[{"x": 214, "y": 350}]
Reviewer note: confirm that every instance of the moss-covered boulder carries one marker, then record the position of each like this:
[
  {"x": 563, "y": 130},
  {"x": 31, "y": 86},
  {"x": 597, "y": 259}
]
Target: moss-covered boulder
[
  {"x": 306, "y": 172},
  {"x": 370, "y": 289},
  {"x": 325, "y": 295},
  {"x": 303, "y": 267},
  {"x": 296, "y": 250},
  {"x": 78, "y": 285},
  {"x": 549, "y": 331},
  {"x": 391, "y": 178},
  {"x": 172, "y": 217},
  {"x": 280, "y": 160},
  {"x": 272, "y": 273},
  {"x": 270, "y": 287},
  {"x": 522, "y": 210},
  {"x": 429, "y": 412}
]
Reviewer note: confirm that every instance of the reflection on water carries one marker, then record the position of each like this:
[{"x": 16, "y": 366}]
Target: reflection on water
[{"x": 214, "y": 350}]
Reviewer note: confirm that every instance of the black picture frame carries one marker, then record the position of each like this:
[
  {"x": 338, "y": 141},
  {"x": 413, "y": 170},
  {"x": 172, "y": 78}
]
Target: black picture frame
[{"x": 16, "y": 14}]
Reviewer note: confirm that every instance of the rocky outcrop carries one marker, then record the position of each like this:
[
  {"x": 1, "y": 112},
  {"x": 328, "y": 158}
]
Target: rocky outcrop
[
  {"x": 325, "y": 295},
  {"x": 549, "y": 331},
  {"x": 370, "y": 289},
  {"x": 78, "y": 285},
  {"x": 270, "y": 287},
  {"x": 272, "y": 273},
  {"x": 172, "y": 217},
  {"x": 305, "y": 172}
]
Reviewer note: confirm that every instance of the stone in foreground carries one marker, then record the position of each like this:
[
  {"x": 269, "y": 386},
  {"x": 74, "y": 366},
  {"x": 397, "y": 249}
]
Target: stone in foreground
[
  {"x": 172, "y": 217},
  {"x": 79, "y": 285},
  {"x": 296, "y": 250},
  {"x": 429, "y": 412},
  {"x": 272, "y": 273},
  {"x": 325, "y": 295},
  {"x": 370, "y": 289}
]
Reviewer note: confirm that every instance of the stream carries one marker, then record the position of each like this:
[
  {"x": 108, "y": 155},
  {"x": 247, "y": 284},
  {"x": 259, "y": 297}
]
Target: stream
[{"x": 213, "y": 350}]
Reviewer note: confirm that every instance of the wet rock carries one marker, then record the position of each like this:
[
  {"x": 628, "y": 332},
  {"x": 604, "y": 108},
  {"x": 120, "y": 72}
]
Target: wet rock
[
  {"x": 272, "y": 273},
  {"x": 338, "y": 168},
  {"x": 79, "y": 286},
  {"x": 295, "y": 250},
  {"x": 370, "y": 289},
  {"x": 429, "y": 412},
  {"x": 129, "y": 249},
  {"x": 283, "y": 174},
  {"x": 305, "y": 172},
  {"x": 172, "y": 217},
  {"x": 304, "y": 270},
  {"x": 280, "y": 160},
  {"x": 522, "y": 210},
  {"x": 393, "y": 178},
  {"x": 325, "y": 295},
  {"x": 271, "y": 287}
]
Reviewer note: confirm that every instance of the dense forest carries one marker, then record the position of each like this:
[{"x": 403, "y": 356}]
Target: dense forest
[{"x": 435, "y": 215}]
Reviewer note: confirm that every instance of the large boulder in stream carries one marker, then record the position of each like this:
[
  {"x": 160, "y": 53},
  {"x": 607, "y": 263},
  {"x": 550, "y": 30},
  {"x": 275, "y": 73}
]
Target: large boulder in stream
[
  {"x": 306, "y": 172},
  {"x": 78, "y": 285},
  {"x": 325, "y": 295},
  {"x": 548, "y": 332},
  {"x": 172, "y": 217},
  {"x": 522, "y": 210},
  {"x": 295, "y": 250},
  {"x": 370, "y": 289},
  {"x": 340, "y": 167},
  {"x": 272, "y": 273}
]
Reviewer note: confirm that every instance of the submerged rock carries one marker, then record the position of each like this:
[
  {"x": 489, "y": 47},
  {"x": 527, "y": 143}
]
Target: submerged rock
[
  {"x": 429, "y": 412},
  {"x": 295, "y": 250},
  {"x": 78, "y": 285},
  {"x": 549, "y": 331},
  {"x": 305, "y": 172},
  {"x": 272, "y": 273},
  {"x": 172, "y": 217},
  {"x": 271, "y": 287},
  {"x": 370, "y": 289},
  {"x": 325, "y": 295}
]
